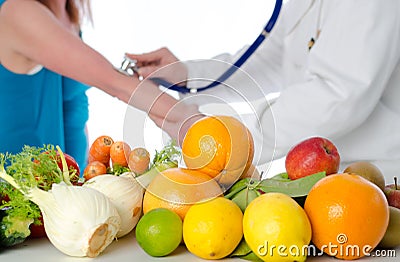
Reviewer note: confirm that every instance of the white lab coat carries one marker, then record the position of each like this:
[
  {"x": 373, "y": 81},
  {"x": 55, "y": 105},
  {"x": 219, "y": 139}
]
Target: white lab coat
[{"x": 345, "y": 88}]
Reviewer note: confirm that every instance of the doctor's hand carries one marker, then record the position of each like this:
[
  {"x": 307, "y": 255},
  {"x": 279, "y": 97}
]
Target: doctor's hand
[{"x": 160, "y": 63}]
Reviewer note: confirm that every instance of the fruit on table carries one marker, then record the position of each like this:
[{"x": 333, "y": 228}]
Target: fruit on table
[
  {"x": 391, "y": 238},
  {"x": 37, "y": 231},
  {"x": 213, "y": 229},
  {"x": 368, "y": 171},
  {"x": 178, "y": 189},
  {"x": 310, "y": 156},
  {"x": 392, "y": 193},
  {"x": 219, "y": 146},
  {"x": 348, "y": 211},
  {"x": 275, "y": 220},
  {"x": 159, "y": 232}
]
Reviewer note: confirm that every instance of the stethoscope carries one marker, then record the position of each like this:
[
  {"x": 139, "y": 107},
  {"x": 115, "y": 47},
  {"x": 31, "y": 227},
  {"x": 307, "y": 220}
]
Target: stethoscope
[{"x": 130, "y": 67}]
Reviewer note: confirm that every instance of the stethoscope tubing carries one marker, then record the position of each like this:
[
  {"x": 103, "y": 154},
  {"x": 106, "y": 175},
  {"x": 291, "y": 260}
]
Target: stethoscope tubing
[{"x": 232, "y": 69}]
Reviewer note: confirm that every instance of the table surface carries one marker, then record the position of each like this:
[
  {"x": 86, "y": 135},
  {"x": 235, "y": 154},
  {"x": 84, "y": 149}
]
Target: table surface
[{"x": 124, "y": 249}]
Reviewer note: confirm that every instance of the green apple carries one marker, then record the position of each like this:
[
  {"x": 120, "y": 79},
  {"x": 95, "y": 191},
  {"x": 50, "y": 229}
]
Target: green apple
[
  {"x": 368, "y": 171},
  {"x": 391, "y": 238}
]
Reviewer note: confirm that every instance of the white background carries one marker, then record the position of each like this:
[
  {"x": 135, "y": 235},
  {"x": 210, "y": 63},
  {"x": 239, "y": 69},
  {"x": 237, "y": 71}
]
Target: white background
[{"x": 190, "y": 29}]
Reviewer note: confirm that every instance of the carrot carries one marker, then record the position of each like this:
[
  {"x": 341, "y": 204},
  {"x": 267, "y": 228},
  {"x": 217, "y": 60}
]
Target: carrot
[
  {"x": 139, "y": 160},
  {"x": 93, "y": 169},
  {"x": 119, "y": 153},
  {"x": 100, "y": 150}
]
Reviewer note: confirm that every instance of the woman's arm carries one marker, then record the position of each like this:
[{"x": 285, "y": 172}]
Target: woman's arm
[{"x": 35, "y": 33}]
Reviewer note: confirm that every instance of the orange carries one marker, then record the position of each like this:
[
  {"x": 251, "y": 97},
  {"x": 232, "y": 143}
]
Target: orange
[
  {"x": 348, "y": 214},
  {"x": 219, "y": 146},
  {"x": 177, "y": 189}
]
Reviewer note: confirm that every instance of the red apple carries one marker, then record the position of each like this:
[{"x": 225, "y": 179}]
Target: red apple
[
  {"x": 73, "y": 167},
  {"x": 71, "y": 163},
  {"x": 392, "y": 193},
  {"x": 313, "y": 155},
  {"x": 37, "y": 231}
]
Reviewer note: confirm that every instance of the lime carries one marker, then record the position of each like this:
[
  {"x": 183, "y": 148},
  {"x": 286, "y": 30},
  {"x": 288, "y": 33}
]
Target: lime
[
  {"x": 213, "y": 229},
  {"x": 276, "y": 228},
  {"x": 159, "y": 232}
]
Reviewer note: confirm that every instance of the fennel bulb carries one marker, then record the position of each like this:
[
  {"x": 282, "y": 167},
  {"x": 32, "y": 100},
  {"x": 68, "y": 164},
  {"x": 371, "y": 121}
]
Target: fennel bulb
[
  {"x": 125, "y": 193},
  {"x": 78, "y": 221}
]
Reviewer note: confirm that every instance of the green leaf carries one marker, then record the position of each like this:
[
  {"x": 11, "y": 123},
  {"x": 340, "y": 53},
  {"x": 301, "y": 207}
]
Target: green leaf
[
  {"x": 237, "y": 187},
  {"x": 293, "y": 188},
  {"x": 241, "y": 250},
  {"x": 244, "y": 197},
  {"x": 117, "y": 170},
  {"x": 281, "y": 177},
  {"x": 252, "y": 257}
]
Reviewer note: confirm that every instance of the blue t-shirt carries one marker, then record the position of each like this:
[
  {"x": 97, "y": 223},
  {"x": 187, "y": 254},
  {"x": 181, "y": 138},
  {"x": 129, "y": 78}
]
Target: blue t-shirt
[{"x": 43, "y": 108}]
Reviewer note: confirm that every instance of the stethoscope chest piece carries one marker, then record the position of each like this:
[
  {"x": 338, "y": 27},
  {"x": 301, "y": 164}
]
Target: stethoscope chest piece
[{"x": 128, "y": 67}]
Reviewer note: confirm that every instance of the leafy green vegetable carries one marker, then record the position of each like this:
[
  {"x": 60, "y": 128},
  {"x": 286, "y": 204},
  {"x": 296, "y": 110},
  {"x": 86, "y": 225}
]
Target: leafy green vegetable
[
  {"x": 37, "y": 167},
  {"x": 117, "y": 170},
  {"x": 14, "y": 229},
  {"x": 169, "y": 153},
  {"x": 168, "y": 157}
]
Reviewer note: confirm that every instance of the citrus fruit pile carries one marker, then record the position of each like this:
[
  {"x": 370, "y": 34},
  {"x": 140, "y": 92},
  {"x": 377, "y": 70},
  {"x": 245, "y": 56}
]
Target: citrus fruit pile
[
  {"x": 217, "y": 151},
  {"x": 216, "y": 205}
]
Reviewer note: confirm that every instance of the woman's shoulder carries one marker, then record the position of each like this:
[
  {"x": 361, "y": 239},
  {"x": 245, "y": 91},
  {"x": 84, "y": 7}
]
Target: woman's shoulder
[
  {"x": 14, "y": 5},
  {"x": 16, "y": 10}
]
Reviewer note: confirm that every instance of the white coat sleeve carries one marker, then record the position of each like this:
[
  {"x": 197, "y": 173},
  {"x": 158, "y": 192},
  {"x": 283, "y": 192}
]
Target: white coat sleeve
[{"x": 348, "y": 66}]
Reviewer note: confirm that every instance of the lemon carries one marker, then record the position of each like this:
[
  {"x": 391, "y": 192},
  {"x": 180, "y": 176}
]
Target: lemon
[
  {"x": 159, "y": 232},
  {"x": 213, "y": 229},
  {"x": 276, "y": 228}
]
